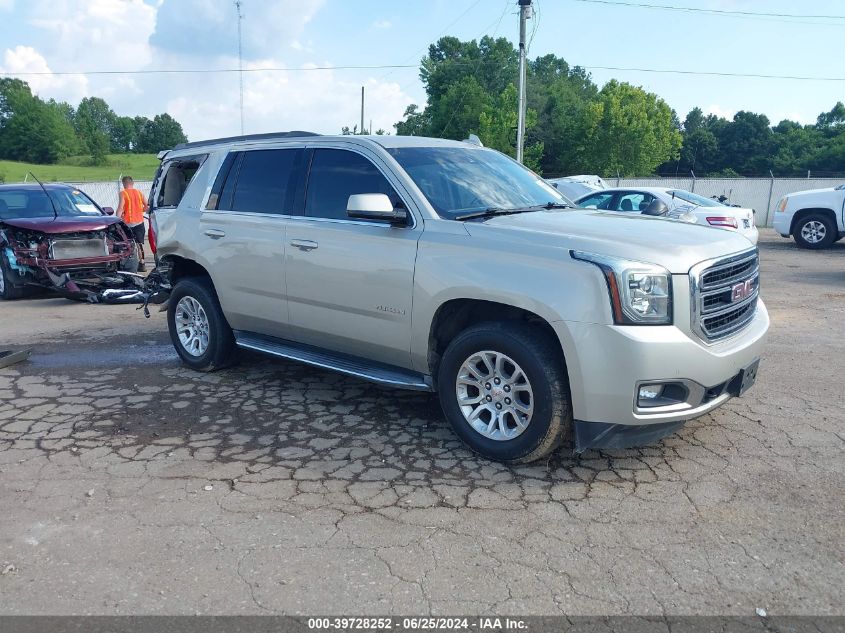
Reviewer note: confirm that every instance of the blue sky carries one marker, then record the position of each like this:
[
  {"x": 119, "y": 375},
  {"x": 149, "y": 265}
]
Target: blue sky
[{"x": 71, "y": 35}]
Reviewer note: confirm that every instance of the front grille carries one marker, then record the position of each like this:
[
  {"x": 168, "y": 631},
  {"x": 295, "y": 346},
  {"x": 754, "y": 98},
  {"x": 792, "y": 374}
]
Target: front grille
[
  {"x": 78, "y": 248},
  {"x": 724, "y": 295}
]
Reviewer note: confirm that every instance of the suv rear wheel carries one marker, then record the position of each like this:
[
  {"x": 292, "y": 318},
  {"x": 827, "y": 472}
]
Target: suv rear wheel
[
  {"x": 815, "y": 231},
  {"x": 505, "y": 392},
  {"x": 199, "y": 330}
]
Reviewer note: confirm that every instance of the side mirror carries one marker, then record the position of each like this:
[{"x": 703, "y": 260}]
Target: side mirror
[
  {"x": 656, "y": 207},
  {"x": 108, "y": 210},
  {"x": 375, "y": 206}
]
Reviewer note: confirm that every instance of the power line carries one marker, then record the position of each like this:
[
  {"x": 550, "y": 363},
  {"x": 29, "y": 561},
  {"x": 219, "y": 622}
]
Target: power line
[
  {"x": 476, "y": 69},
  {"x": 713, "y": 73},
  {"x": 475, "y": 64},
  {"x": 439, "y": 35},
  {"x": 186, "y": 71},
  {"x": 755, "y": 14}
]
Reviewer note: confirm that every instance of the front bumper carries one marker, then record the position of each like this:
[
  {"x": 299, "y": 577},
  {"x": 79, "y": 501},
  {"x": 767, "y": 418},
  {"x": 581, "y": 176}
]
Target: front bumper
[
  {"x": 608, "y": 363},
  {"x": 751, "y": 233},
  {"x": 781, "y": 223}
]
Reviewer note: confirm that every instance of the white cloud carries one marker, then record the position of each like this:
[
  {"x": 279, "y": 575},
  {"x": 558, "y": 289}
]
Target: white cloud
[
  {"x": 25, "y": 59},
  {"x": 381, "y": 24},
  {"x": 320, "y": 101},
  {"x": 96, "y": 34},
  {"x": 209, "y": 27},
  {"x": 7, "y": 5},
  {"x": 720, "y": 111},
  {"x": 133, "y": 35}
]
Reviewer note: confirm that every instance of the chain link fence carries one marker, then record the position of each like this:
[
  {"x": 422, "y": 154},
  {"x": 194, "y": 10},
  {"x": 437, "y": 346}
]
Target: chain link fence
[
  {"x": 106, "y": 193},
  {"x": 760, "y": 194}
]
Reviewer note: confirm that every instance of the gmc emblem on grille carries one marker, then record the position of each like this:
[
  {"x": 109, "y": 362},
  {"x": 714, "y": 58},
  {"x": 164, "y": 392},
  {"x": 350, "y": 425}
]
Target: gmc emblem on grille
[{"x": 742, "y": 291}]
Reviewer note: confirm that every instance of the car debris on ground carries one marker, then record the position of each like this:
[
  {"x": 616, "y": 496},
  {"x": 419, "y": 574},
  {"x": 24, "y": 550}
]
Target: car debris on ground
[{"x": 10, "y": 357}]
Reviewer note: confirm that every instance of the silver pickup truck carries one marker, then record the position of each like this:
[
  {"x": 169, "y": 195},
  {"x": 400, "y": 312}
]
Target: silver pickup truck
[{"x": 444, "y": 266}]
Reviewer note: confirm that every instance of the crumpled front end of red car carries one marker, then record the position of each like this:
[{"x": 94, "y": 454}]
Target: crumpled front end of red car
[{"x": 90, "y": 265}]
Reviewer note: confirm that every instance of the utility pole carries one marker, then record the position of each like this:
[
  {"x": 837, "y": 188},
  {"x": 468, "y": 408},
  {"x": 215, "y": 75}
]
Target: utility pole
[
  {"x": 361, "y": 129},
  {"x": 524, "y": 15},
  {"x": 240, "y": 61}
]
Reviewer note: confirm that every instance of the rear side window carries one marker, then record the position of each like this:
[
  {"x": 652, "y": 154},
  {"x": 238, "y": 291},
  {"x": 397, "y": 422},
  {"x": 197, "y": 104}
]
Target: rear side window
[
  {"x": 177, "y": 175},
  {"x": 214, "y": 199},
  {"x": 337, "y": 174},
  {"x": 264, "y": 181},
  {"x": 633, "y": 201},
  {"x": 596, "y": 201}
]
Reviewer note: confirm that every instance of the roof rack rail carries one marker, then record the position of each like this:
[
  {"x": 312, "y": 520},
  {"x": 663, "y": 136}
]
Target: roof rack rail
[{"x": 246, "y": 137}]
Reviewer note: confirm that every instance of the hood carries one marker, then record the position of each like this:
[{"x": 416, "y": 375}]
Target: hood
[
  {"x": 53, "y": 226},
  {"x": 677, "y": 246},
  {"x": 812, "y": 192}
]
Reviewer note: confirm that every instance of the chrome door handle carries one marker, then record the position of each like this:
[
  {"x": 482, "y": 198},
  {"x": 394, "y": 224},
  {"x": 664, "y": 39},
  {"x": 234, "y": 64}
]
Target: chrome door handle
[
  {"x": 304, "y": 245},
  {"x": 215, "y": 234}
]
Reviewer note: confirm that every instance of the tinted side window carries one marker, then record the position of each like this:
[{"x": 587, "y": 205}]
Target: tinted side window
[
  {"x": 633, "y": 201},
  {"x": 337, "y": 174},
  {"x": 263, "y": 181},
  {"x": 225, "y": 168},
  {"x": 596, "y": 201}
]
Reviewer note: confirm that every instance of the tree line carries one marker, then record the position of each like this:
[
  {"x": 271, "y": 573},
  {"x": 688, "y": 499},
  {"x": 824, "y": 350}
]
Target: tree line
[
  {"x": 38, "y": 131},
  {"x": 575, "y": 127}
]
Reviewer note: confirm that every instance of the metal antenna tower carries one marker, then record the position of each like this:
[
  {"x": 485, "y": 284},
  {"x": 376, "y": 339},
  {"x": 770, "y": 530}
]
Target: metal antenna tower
[{"x": 240, "y": 61}]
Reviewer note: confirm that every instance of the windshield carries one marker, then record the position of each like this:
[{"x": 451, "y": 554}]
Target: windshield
[
  {"x": 33, "y": 203},
  {"x": 694, "y": 198},
  {"x": 458, "y": 180}
]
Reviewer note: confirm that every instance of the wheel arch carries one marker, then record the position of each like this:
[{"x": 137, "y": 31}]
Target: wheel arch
[
  {"x": 180, "y": 267},
  {"x": 455, "y": 315},
  {"x": 803, "y": 213}
]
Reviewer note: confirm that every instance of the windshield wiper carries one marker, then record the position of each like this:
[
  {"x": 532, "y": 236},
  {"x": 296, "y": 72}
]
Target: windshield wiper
[
  {"x": 556, "y": 205},
  {"x": 491, "y": 212},
  {"x": 494, "y": 211}
]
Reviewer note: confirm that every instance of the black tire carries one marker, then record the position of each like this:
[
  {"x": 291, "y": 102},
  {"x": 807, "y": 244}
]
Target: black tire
[
  {"x": 9, "y": 289},
  {"x": 221, "y": 349},
  {"x": 538, "y": 357},
  {"x": 830, "y": 232}
]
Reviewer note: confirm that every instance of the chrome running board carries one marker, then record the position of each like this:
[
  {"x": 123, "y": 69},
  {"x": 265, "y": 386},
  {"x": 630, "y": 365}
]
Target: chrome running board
[{"x": 350, "y": 365}]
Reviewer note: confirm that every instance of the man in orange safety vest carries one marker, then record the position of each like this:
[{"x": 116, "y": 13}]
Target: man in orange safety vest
[{"x": 131, "y": 209}]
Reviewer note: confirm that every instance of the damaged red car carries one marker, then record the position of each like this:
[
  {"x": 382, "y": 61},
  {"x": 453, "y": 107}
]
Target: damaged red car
[{"x": 54, "y": 236}]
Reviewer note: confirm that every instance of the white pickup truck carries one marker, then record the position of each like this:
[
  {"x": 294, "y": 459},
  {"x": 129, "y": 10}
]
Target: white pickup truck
[{"x": 814, "y": 218}]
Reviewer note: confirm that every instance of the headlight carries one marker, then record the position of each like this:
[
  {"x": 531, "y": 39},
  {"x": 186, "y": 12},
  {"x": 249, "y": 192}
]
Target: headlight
[
  {"x": 782, "y": 204},
  {"x": 640, "y": 293}
]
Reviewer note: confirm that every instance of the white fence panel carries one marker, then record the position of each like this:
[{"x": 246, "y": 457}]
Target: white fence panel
[
  {"x": 106, "y": 193},
  {"x": 760, "y": 194}
]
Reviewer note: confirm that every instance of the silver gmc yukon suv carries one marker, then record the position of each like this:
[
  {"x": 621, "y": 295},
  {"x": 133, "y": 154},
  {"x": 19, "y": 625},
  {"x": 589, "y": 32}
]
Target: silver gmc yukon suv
[{"x": 444, "y": 266}]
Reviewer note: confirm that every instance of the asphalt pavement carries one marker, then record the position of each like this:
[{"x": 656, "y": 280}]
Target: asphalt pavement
[{"x": 132, "y": 485}]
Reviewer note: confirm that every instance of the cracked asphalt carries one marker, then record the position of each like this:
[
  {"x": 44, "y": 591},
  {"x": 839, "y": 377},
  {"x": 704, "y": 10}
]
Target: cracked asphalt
[{"x": 132, "y": 485}]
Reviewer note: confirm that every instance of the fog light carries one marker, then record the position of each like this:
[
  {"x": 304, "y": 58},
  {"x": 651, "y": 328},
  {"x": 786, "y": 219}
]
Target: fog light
[
  {"x": 649, "y": 392},
  {"x": 662, "y": 395}
]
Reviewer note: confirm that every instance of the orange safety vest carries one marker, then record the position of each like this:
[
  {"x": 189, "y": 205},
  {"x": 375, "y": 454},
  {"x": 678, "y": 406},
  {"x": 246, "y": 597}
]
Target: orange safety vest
[{"x": 133, "y": 206}]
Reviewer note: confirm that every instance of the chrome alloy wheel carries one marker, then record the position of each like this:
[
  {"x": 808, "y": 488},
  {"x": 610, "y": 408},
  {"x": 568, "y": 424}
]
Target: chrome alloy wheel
[
  {"x": 813, "y": 232},
  {"x": 192, "y": 326},
  {"x": 494, "y": 395}
]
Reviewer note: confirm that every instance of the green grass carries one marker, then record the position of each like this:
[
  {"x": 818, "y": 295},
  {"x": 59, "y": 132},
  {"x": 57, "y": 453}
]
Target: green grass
[{"x": 79, "y": 169}]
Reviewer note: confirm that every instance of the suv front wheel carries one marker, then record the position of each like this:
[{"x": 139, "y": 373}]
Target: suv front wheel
[
  {"x": 505, "y": 391},
  {"x": 814, "y": 231},
  {"x": 199, "y": 330}
]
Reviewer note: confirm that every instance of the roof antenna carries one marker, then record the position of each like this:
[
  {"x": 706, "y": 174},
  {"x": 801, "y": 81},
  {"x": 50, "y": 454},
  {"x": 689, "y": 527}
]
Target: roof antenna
[{"x": 47, "y": 193}]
